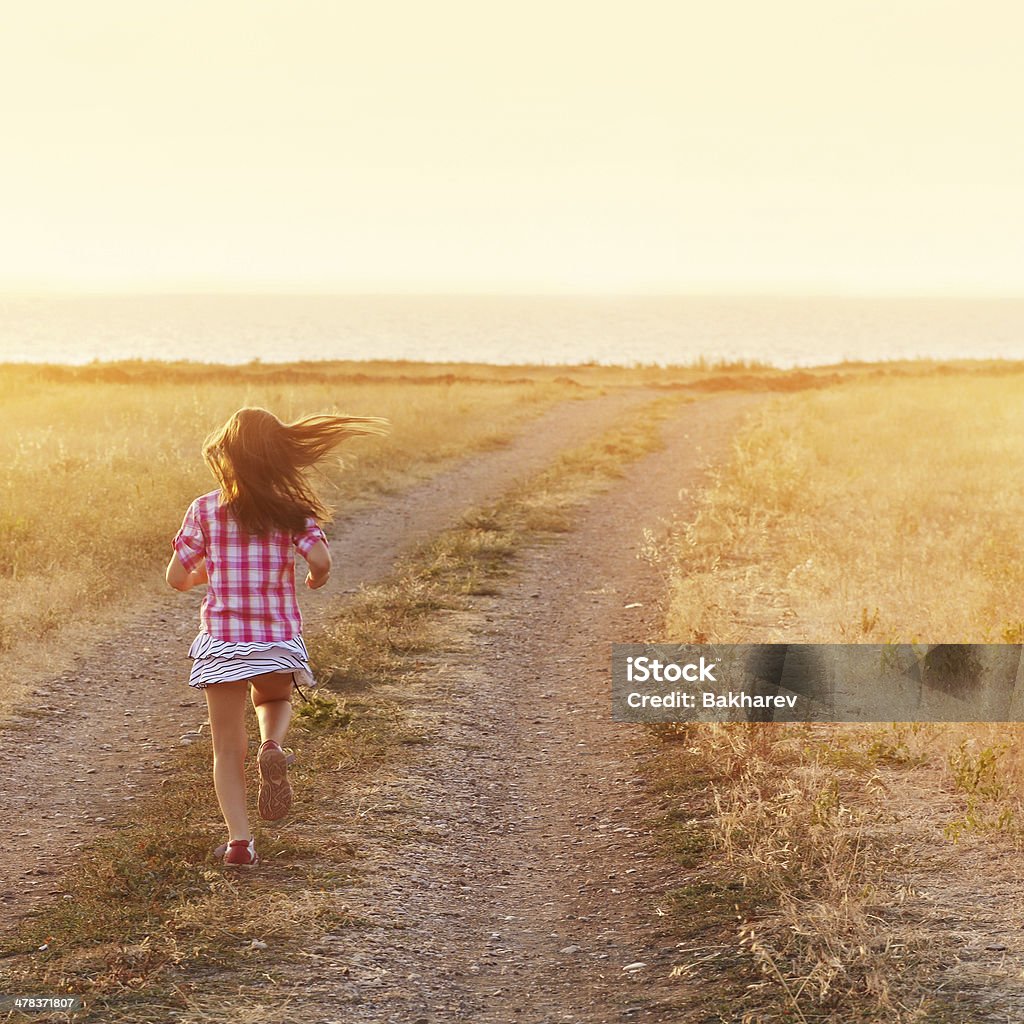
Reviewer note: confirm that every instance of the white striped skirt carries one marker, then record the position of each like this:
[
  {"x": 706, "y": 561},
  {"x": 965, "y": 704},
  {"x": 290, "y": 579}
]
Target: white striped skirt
[{"x": 224, "y": 661}]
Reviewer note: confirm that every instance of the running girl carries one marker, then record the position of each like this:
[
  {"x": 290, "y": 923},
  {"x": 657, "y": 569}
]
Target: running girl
[{"x": 240, "y": 540}]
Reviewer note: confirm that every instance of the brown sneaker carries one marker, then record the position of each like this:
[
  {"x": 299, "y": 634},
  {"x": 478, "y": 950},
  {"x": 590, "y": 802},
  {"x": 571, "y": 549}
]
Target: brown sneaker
[{"x": 275, "y": 798}]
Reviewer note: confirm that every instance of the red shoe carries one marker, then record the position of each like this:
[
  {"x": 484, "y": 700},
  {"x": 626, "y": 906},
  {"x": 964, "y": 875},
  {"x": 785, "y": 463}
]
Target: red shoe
[
  {"x": 241, "y": 853},
  {"x": 275, "y": 797}
]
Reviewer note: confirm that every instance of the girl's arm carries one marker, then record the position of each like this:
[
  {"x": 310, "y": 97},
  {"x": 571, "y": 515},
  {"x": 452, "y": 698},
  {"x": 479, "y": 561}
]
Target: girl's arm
[
  {"x": 179, "y": 578},
  {"x": 318, "y": 559}
]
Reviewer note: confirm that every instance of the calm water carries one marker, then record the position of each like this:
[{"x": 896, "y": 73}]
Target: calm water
[{"x": 239, "y": 328}]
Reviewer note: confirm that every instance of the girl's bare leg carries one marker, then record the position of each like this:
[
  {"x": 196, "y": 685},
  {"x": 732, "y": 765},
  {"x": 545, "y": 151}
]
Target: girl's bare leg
[
  {"x": 226, "y": 705},
  {"x": 271, "y": 697}
]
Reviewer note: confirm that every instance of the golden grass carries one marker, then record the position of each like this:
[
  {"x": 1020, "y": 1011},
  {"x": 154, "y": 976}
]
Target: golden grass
[
  {"x": 878, "y": 511},
  {"x": 777, "y": 822},
  {"x": 99, "y": 461},
  {"x": 154, "y": 927},
  {"x": 98, "y": 465},
  {"x": 874, "y": 512}
]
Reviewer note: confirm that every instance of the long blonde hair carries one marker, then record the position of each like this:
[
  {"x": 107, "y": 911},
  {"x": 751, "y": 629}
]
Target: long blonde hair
[{"x": 260, "y": 464}]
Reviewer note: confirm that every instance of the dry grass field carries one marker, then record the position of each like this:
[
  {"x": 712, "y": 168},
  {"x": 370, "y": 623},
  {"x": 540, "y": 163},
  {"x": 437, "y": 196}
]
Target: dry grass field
[
  {"x": 860, "y": 504},
  {"x": 879, "y": 511},
  {"x": 98, "y": 465}
]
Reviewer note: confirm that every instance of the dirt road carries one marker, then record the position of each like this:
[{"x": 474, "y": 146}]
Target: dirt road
[
  {"x": 100, "y": 734},
  {"x": 530, "y": 887}
]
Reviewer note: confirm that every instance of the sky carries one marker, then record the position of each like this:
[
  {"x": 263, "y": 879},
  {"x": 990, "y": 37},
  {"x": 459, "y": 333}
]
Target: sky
[{"x": 654, "y": 146}]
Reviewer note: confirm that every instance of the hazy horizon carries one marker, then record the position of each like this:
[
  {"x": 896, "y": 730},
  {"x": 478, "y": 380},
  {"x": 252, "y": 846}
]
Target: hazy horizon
[{"x": 504, "y": 329}]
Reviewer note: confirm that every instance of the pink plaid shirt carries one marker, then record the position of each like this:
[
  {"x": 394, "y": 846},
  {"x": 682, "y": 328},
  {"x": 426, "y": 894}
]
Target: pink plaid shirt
[{"x": 251, "y": 594}]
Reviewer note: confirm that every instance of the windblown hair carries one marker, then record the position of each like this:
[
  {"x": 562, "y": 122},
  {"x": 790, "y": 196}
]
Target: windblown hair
[{"x": 260, "y": 464}]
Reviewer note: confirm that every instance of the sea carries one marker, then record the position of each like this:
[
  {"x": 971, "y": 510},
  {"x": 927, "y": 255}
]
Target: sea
[{"x": 502, "y": 329}]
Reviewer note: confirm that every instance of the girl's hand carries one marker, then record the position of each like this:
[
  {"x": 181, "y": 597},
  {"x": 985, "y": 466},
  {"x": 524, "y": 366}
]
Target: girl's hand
[{"x": 316, "y": 582}]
